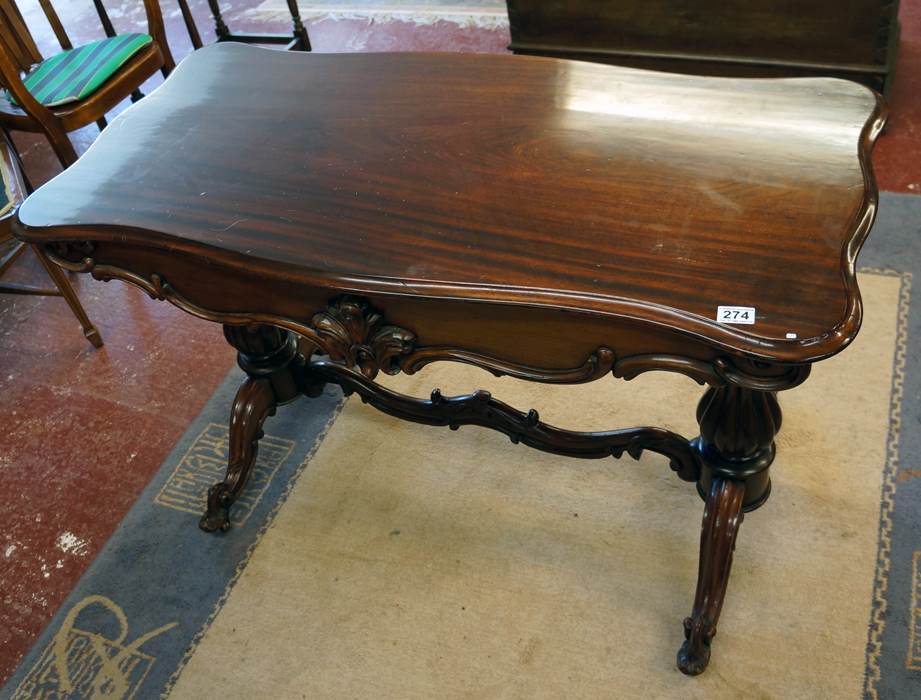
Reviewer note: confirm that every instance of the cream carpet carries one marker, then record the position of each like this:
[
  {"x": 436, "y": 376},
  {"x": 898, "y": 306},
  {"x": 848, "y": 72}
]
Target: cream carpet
[{"x": 416, "y": 562}]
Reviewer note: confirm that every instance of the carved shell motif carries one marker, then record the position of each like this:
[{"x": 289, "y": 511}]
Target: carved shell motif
[{"x": 353, "y": 333}]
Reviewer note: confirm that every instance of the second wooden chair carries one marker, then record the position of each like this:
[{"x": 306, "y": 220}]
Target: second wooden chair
[{"x": 78, "y": 86}]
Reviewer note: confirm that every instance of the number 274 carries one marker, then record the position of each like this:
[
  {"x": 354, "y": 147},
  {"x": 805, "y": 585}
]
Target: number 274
[{"x": 735, "y": 315}]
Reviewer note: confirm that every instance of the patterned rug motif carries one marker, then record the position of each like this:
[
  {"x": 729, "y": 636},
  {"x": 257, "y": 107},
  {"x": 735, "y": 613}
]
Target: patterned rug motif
[{"x": 127, "y": 625}]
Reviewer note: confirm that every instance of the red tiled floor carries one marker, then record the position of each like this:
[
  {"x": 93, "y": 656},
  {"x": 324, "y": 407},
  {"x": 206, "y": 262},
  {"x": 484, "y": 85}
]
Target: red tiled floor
[
  {"x": 141, "y": 364},
  {"x": 83, "y": 431}
]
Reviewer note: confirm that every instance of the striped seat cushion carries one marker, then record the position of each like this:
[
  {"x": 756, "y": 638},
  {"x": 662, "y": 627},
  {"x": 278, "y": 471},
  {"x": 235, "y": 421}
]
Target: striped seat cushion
[{"x": 76, "y": 73}]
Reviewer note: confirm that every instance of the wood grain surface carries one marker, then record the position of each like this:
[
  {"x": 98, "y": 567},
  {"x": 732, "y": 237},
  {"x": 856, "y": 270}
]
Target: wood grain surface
[{"x": 616, "y": 193}]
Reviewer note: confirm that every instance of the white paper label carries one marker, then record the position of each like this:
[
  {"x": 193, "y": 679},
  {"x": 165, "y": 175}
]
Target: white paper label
[{"x": 736, "y": 314}]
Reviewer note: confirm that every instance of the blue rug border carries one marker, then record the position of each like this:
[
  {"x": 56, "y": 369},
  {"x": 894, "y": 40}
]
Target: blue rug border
[
  {"x": 200, "y": 566},
  {"x": 895, "y": 244}
]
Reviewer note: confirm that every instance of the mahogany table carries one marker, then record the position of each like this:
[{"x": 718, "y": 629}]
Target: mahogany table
[{"x": 555, "y": 221}]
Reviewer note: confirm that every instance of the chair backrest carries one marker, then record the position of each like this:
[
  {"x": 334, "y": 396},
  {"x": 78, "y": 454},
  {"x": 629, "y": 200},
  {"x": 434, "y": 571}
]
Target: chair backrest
[
  {"x": 55, "y": 23},
  {"x": 16, "y": 38}
]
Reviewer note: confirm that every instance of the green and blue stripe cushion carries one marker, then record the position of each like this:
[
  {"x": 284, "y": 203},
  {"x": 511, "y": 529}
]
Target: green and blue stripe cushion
[{"x": 76, "y": 73}]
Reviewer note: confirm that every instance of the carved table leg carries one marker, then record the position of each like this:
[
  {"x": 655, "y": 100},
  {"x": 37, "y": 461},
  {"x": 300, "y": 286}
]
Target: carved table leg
[
  {"x": 736, "y": 443},
  {"x": 270, "y": 358},
  {"x": 722, "y": 517}
]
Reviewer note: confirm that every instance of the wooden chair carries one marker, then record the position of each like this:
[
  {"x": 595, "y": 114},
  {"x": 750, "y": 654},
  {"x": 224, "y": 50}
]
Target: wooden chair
[
  {"x": 296, "y": 41},
  {"x": 78, "y": 86},
  {"x": 12, "y": 191}
]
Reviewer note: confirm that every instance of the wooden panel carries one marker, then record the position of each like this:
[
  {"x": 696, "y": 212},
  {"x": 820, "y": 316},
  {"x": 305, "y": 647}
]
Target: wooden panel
[
  {"x": 818, "y": 31},
  {"x": 694, "y": 66}
]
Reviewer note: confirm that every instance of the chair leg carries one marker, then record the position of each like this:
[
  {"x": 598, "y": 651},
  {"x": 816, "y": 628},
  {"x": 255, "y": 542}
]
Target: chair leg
[
  {"x": 300, "y": 33},
  {"x": 220, "y": 29},
  {"x": 169, "y": 63},
  {"x": 7, "y": 260},
  {"x": 102, "y": 123},
  {"x": 67, "y": 291},
  {"x": 63, "y": 148}
]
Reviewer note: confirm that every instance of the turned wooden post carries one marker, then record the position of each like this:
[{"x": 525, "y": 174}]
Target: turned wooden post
[
  {"x": 220, "y": 28},
  {"x": 736, "y": 444},
  {"x": 300, "y": 32}
]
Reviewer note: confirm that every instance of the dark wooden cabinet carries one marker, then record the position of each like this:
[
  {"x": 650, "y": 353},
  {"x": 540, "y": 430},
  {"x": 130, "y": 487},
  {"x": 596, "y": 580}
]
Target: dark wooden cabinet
[{"x": 854, "y": 39}]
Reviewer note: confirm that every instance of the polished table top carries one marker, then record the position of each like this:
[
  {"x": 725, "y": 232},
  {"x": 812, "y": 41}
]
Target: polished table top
[{"x": 614, "y": 192}]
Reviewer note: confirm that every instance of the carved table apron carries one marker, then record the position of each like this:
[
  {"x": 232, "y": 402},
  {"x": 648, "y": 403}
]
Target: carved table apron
[{"x": 558, "y": 222}]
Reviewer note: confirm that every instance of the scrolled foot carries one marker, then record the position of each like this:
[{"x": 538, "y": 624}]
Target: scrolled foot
[
  {"x": 217, "y": 517},
  {"x": 694, "y": 654}
]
